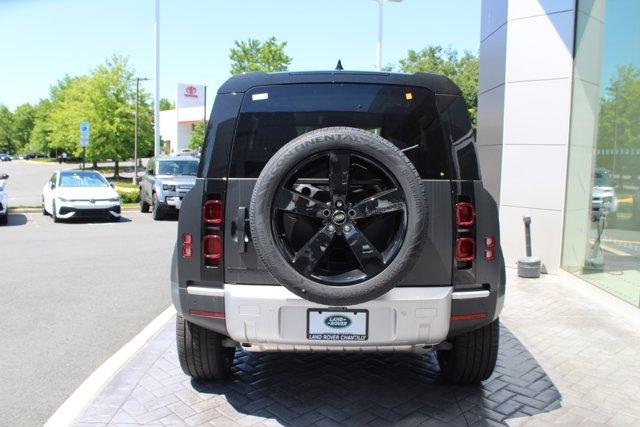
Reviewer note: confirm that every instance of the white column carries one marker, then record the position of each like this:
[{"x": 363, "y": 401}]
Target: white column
[{"x": 524, "y": 109}]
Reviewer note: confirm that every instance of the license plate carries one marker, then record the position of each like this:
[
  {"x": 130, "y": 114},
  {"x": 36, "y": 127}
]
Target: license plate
[{"x": 337, "y": 325}]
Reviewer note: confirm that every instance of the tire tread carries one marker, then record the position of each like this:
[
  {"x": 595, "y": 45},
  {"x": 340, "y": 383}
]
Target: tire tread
[
  {"x": 201, "y": 352},
  {"x": 473, "y": 357}
]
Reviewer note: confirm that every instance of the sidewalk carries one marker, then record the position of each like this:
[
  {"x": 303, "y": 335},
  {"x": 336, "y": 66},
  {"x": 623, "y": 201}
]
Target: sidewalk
[{"x": 564, "y": 359}]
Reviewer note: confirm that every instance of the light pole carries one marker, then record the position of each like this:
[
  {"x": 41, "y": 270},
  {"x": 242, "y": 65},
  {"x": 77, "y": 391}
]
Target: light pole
[
  {"x": 379, "y": 44},
  {"x": 156, "y": 57},
  {"x": 205, "y": 114},
  {"x": 135, "y": 139}
]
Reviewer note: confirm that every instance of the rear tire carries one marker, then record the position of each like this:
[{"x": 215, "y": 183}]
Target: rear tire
[
  {"x": 157, "y": 214},
  {"x": 473, "y": 356},
  {"x": 44, "y": 210},
  {"x": 144, "y": 206},
  {"x": 4, "y": 219},
  {"x": 201, "y": 353}
]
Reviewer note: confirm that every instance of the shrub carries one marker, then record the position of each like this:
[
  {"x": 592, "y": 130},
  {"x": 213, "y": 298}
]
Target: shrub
[{"x": 128, "y": 195}]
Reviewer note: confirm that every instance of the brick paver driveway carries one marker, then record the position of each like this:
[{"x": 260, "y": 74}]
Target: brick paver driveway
[{"x": 564, "y": 359}]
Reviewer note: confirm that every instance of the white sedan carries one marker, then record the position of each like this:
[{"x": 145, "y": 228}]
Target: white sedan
[
  {"x": 4, "y": 200},
  {"x": 76, "y": 193}
]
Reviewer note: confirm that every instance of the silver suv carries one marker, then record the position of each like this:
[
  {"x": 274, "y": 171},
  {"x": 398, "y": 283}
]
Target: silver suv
[{"x": 165, "y": 182}]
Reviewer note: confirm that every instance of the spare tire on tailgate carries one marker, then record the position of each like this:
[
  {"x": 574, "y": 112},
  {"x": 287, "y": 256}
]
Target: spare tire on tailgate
[{"x": 338, "y": 216}]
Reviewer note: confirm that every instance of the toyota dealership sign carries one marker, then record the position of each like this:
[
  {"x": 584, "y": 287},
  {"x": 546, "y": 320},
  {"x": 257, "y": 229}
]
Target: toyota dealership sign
[{"x": 190, "y": 96}]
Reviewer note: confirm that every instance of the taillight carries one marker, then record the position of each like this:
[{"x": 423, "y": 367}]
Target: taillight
[
  {"x": 465, "y": 214},
  {"x": 212, "y": 217},
  {"x": 212, "y": 247},
  {"x": 187, "y": 245},
  {"x": 465, "y": 249},
  {"x": 489, "y": 248},
  {"x": 213, "y": 212}
]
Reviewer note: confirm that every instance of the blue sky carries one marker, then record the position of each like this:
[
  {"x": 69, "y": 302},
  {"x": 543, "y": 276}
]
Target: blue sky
[{"x": 42, "y": 40}]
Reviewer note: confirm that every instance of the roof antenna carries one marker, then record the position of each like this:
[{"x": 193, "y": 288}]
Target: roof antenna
[{"x": 339, "y": 66}]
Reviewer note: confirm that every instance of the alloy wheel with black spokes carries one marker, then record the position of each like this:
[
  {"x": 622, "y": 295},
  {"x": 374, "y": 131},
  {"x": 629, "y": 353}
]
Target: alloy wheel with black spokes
[{"x": 338, "y": 216}]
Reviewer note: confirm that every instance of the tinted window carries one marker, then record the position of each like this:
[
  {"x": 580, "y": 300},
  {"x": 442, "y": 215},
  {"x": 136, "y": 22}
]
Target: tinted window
[
  {"x": 457, "y": 124},
  {"x": 272, "y": 116},
  {"x": 82, "y": 179}
]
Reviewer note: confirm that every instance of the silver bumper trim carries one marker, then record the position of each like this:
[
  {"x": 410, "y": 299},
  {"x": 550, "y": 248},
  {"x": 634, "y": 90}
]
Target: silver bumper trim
[
  {"x": 205, "y": 292},
  {"x": 470, "y": 294},
  {"x": 271, "y": 318}
]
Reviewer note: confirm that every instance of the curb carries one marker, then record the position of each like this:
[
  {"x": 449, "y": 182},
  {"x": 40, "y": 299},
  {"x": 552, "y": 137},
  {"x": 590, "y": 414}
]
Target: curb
[{"x": 67, "y": 413}]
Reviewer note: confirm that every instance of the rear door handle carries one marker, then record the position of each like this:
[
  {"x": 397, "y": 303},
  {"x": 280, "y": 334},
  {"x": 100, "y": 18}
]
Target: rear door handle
[{"x": 242, "y": 230}]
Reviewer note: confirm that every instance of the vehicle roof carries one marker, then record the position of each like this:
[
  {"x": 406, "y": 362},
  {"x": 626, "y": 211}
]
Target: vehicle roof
[
  {"x": 436, "y": 83},
  {"x": 184, "y": 158}
]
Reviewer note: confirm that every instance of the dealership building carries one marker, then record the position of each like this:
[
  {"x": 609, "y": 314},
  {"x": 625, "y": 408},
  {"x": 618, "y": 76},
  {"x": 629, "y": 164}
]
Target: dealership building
[
  {"x": 177, "y": 125},
  {"x": 559, "y": 134}
]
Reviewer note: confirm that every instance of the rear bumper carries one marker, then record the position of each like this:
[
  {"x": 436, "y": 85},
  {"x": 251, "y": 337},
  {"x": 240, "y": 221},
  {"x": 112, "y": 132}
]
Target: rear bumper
[{"x": 271, "y": 318}]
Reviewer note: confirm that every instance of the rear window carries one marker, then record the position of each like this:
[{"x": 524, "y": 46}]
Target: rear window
[{"x": 274, "y": 115}]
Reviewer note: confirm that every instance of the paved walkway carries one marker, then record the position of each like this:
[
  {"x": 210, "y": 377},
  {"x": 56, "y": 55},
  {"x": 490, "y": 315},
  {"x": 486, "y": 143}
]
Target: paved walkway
[{"x": 565, "y": 358}]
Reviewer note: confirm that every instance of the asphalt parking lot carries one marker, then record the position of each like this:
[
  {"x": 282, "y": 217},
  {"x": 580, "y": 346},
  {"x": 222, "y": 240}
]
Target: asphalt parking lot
[
  {"x": 27, "y": 177},
  {"x": 72, "y": 295}
]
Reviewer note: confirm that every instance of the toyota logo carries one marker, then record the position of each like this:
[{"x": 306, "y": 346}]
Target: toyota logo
[
  {"x": 191, "y": 90},
  {"x": 92, "y": 201}
]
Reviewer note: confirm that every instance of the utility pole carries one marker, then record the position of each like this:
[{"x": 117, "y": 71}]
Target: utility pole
[
  {"x": 615, "y": 132},
  {"x": 205, "y": 115},
  {"x": 135, "y": 139},
  {"x": 156, "y": 57},
  {"x": 379, "y": 44}
]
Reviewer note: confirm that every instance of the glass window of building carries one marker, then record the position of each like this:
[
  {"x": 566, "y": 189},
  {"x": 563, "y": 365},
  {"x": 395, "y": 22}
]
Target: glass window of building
[{"x": 602, "y": 222}]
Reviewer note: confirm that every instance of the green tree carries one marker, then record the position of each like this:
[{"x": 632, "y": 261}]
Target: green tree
[
  {"x": 165, "y": 104},
  {"x": 618, "y": 121},
  {"x": 7, "y": 143},
  {"x": 106, "y": 99},
  {"x": 23, "y": 122},
  {"x": 254, "y": 55},
  {"x": 40, "y": 137},
  {"x": 197, "y": 137},
  {"x": 462, "y": 69}
]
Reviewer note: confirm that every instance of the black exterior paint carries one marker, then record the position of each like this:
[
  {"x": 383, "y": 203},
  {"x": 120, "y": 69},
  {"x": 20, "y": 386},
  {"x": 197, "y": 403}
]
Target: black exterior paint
[{"x": 437, "y": 266}]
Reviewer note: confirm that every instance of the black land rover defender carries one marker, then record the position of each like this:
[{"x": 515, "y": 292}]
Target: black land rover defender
[{"x": 339, "y": 211}]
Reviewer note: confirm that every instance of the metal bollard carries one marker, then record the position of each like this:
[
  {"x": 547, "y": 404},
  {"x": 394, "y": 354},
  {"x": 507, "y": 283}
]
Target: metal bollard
[{"x": 529, "y": 266}]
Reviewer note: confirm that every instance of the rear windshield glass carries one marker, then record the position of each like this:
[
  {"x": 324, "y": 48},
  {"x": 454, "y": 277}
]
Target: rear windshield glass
[
  {"x": 177, "y": 167},
  {"x": 274, "y": 115},
  {"x": 82, "y": 179}
]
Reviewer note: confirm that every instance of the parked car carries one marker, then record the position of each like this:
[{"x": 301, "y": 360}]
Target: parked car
[
  {"x": 603, "y": 195},
  {"x": 74, "y": 193},
  {"x": 186, "y": 152},
  {"x": 339, "y": 211},
  {"x": 5, "y": 157},
  {"x": 4, "y": 200},
  {"x": 165, "y": 182}
]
